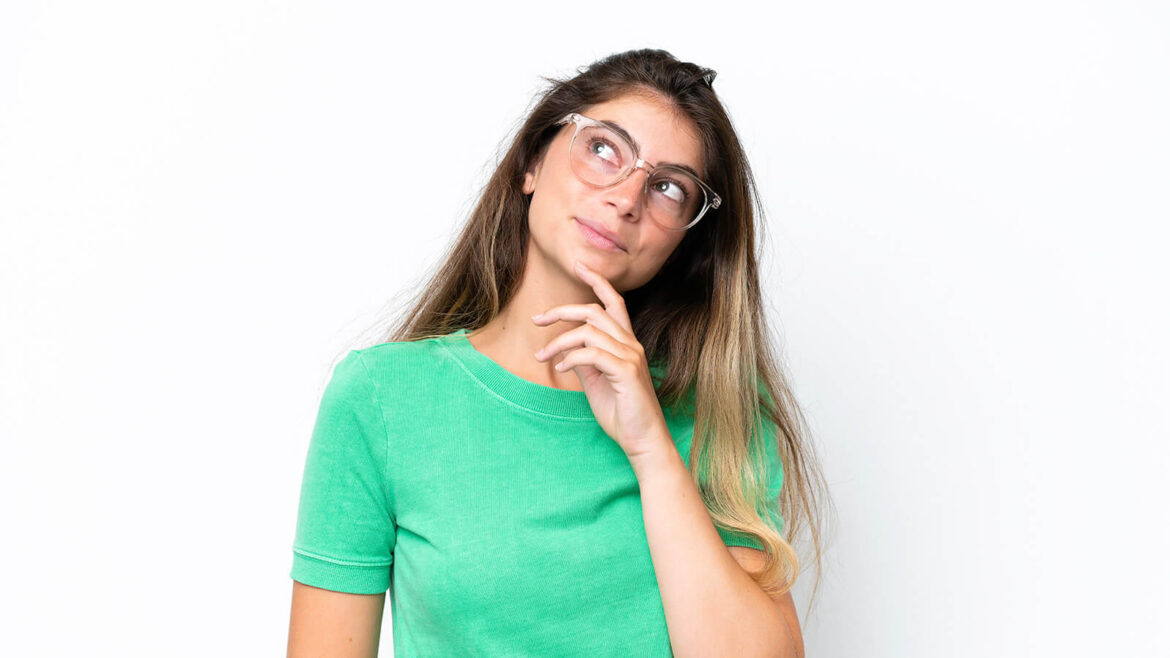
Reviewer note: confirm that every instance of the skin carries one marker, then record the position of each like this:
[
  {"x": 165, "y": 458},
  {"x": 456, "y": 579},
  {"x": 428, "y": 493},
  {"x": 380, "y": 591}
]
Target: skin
[
  {"x": 331, "y": 623},
  {"x": 555, "y": 239},
  {"x": 328, "y": 623}
]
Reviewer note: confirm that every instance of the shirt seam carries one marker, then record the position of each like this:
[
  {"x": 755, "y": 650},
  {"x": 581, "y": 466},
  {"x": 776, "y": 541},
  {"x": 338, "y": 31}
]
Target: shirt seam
[
  {"x": 506, "y": 401},
  {"x": 385, "y": 438},
  {"x": 344, "y": 563}
]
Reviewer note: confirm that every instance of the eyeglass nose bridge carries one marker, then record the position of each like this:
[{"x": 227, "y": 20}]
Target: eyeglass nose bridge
[{"x": 639, "y": 164}]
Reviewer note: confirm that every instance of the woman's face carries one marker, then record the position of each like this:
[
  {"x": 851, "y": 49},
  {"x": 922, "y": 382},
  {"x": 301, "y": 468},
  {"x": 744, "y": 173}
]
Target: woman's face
[{"x": 562, "y": 204}]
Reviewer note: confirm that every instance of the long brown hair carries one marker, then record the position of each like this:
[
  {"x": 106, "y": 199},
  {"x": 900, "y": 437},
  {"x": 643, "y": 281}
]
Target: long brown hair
[{"x": 701, "y": 316}]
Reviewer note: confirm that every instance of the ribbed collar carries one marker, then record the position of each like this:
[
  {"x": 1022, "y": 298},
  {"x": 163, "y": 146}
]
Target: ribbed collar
[{"x": 513, "y": 388}]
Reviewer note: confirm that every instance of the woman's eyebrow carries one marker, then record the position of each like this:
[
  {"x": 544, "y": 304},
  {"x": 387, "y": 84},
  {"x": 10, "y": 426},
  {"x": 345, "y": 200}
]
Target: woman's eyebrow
[{"x": 630, "y": 138}]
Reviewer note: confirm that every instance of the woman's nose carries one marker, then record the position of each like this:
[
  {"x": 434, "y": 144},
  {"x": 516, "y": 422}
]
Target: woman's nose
[{"x": 626, "y": 196}]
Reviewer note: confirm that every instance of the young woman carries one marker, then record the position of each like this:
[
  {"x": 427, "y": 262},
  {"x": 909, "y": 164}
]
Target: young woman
[{"x": 575, "y": 442}]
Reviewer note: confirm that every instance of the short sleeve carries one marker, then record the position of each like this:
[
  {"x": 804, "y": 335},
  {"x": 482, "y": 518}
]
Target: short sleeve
[
  {"x": 774, "y": 478},
  {"x": 345, "y": 528}
]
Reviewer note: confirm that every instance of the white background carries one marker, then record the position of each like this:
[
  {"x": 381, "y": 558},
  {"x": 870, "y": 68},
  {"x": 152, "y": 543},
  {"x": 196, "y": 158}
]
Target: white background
[{"x": 202, "y": 204}]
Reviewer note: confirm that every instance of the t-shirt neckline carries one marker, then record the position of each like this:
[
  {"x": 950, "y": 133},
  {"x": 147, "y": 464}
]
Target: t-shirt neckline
[{"x": 514, "y": 388}]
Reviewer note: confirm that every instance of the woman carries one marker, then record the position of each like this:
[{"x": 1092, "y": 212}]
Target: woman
[{"x": 516, "y": 462}]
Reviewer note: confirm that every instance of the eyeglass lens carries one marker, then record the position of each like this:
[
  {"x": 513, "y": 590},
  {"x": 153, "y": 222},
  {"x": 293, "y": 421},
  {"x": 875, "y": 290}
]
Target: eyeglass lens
[{"x": 601, "y": 157}]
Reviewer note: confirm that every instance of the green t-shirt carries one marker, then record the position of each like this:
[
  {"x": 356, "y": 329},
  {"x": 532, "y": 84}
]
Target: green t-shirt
[{"x": 503, "y": 519}]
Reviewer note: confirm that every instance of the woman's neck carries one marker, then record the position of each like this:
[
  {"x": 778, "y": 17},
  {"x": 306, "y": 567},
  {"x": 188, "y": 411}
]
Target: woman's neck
[{"x": 511, "y": 338}]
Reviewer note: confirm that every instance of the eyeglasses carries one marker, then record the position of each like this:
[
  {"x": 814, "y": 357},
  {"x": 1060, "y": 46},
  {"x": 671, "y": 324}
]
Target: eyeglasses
[{"x": 601, "y": 156}]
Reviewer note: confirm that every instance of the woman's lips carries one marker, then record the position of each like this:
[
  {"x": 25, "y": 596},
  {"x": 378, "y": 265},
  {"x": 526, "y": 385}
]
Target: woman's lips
[{"x": 596, "y": 239}]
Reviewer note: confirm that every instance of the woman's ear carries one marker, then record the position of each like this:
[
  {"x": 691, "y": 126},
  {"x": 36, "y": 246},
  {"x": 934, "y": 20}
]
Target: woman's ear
[{"x": 531, "y": 175}]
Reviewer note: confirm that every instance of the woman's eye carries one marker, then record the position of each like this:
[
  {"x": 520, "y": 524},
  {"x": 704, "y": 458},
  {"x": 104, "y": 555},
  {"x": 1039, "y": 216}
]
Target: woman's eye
[
  {"x": 603, "y": 150},
  {"x": 671, "y": 190}
]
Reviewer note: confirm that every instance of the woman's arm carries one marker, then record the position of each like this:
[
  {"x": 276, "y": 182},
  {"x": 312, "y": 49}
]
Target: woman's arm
[
  {"x": 712, "y": 605},
  {"x": 328, "y": 623},
  {"x": 752, "y": 559}
]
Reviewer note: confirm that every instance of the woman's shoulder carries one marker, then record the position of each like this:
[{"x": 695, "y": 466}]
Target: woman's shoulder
[{"x": 401, "y": 353}]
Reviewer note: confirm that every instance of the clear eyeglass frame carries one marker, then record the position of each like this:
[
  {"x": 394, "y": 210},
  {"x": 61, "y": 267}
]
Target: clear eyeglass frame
[{"x": 711, "y": 200}]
